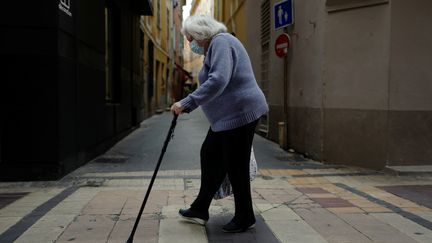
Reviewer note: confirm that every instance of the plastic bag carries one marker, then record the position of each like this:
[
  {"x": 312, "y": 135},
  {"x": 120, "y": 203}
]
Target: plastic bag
[{"x": 225, "y": 189}]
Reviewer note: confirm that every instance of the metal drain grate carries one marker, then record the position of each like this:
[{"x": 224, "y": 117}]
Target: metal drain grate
[
  {"x": 111, "y": 159},
  {"x": 8, "y": 198}
]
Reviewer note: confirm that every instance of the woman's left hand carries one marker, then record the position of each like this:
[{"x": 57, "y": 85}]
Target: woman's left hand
[{"x": 177, "y": 108}]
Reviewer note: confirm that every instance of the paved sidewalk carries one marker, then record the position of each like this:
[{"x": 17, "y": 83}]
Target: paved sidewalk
[{"x": 295, "y": 199}]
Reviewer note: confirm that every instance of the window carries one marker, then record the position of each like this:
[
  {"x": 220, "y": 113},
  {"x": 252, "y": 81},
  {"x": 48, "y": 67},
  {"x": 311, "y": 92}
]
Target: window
[
  {"x": 158, "y": 23},
  {"x": 265, "y": 45},
  {"x": 163, "y": 78},
  {"x": 265, "y": 56},
  {"x": 169, "y": 26},
  {"x": 141, "y": 52}
]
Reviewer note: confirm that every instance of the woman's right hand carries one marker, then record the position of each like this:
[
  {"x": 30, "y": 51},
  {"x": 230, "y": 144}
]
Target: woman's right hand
[{"x": 177, "y": 108}]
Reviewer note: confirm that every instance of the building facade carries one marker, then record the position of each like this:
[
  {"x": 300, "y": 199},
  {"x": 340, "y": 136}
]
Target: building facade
[
  {"x": 157, "y": 57},
  {"x": 357, "y": 84},
  {"x": 180, "y": 76},
  {"x": 71, "y": 85}
]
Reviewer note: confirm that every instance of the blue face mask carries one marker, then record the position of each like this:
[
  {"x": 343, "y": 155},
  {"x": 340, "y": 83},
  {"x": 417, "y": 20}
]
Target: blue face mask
[{"x": 196, "y": 48}]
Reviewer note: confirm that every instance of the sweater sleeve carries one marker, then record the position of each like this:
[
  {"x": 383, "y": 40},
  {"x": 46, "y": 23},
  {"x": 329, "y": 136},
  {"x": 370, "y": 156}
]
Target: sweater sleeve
[{"x": 219, "y": 75}]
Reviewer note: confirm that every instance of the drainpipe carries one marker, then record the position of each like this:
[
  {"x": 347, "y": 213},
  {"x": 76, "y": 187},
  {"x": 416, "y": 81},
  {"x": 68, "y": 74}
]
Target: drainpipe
[{"x": 285, "y": 130}]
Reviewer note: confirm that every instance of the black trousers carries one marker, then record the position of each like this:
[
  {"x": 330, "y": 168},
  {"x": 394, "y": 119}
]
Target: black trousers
[{"x": 222, "y": 153}]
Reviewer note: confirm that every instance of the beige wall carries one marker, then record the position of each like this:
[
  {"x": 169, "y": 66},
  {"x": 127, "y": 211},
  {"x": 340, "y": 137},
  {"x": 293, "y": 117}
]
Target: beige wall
[
  {"x": 306, "y": 62},
  {"x": 410, "y": 87},
  {"x": 305, "y": 78},
  {"x": 411, "y": 59},
  {"x": 360, "y": 82},
  {"x": 356, "y": 59},
  {"x": 355, "y": 86},
  {"x": 252, "y": 40}
]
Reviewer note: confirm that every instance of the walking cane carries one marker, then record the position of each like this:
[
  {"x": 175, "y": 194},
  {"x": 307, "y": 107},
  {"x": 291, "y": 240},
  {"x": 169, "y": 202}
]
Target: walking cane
[{"x": 168, "y": 138}]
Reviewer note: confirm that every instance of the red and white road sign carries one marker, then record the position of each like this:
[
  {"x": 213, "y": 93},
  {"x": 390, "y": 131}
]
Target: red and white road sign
[{"x": 282, "y": 44}]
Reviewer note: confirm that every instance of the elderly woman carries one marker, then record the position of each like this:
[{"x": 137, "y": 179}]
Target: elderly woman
[{"x": 232, "y": 102}]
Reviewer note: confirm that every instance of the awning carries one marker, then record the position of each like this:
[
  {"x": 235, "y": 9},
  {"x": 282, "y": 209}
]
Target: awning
[{"x": 143, "y": 7}]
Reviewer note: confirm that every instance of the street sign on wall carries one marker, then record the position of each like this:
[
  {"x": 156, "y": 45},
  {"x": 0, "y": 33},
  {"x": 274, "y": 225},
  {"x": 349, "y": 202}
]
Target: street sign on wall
[
  {"x": 282, "y": 44},
  {"x": 283, "y": 13}
]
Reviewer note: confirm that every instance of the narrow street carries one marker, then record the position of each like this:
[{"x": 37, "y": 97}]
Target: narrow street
[
  {"x": 295, "y": 199},
  {"x": 342, "y": 90}
]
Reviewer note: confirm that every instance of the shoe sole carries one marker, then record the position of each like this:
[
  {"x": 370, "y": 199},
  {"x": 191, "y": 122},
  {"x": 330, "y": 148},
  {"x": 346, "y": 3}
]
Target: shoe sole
[
  {"x": 195, "y": 220},
  {"x": 240, "y": 230}
]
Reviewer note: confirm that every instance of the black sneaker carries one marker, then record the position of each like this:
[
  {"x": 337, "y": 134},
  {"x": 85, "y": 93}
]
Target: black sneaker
[
  {"x": 232, "y": 227},
  {"x": 194, "y": 216}
]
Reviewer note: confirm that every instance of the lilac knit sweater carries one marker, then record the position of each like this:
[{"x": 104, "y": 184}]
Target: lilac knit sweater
[{"x": 228, "y": 93}]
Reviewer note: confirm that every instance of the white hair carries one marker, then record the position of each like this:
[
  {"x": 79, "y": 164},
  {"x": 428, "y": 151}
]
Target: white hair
[{"x": 202, "y": 27}]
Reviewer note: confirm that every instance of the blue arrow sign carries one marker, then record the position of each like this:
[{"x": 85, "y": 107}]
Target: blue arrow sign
[{"x": 283, "y": 13}]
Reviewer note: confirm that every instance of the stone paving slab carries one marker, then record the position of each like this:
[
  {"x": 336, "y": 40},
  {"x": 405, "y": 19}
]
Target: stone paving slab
[
  {"x": 147, "y": 230},
  {"x": 7, "y": 222},
  {"x": 278, "y": 213},
  {"x": 311, "y": 190},
  {"x": 405, "y": 226},
  {"x": 34, "y": 215},
  {"x": 294, "y": 231},
  {"x": 89, "y": 228},
  {"x": 426, "y": 215},
  {"x": 337, "y": 210},
  {"x": 270, "y": 183},
  {"x": 177, "y": 230},
  {"x": 421, "y": 194},
  {"x": 330, "y": 226},
  {"x": 287, "y": 225},
  {"x": 332, "y": 202},
  {"x": 26, "y": 204},
  {"x": 378, "y": 209},
  {"x": 374, "y": 229},
  {"x": 47, "y": 229}
]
